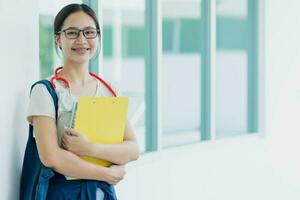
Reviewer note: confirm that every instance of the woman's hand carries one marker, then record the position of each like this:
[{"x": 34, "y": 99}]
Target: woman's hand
[
  {"x": 115, "y": 173},
  {"x": 75, "y": 142}
]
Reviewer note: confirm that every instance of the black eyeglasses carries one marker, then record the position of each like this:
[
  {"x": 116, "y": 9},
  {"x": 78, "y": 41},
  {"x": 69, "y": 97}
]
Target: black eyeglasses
[{"x": 73, "y": 33}]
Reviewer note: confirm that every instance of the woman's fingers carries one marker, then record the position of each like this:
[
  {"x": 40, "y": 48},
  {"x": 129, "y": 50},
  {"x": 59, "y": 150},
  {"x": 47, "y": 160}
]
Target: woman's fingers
[
  {"x": 65, "y": 140},
  {"x": 63, "y": 144},
  {"x": 117, "y": 174},
  {"x": 71, "y": 132},
  {"x": 74, "y": 133},
  {"x": 114, "y": 181},
  {"x": 118, "y": 179}
]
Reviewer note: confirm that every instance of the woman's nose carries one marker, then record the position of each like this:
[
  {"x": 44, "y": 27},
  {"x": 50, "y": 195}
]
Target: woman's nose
[{"x": 81, "y": 37}]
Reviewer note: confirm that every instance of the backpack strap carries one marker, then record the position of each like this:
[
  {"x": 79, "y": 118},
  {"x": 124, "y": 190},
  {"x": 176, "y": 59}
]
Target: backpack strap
[{"x": 53, "y": 94}]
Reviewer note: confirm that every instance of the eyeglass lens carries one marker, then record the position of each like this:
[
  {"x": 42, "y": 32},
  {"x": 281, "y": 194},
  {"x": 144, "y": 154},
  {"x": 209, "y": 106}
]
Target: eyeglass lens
[{"x": 74, "y": 33}]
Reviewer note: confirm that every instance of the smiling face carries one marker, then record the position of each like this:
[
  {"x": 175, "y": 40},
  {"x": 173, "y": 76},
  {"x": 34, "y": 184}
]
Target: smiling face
[{"x": 81, "y": 49}]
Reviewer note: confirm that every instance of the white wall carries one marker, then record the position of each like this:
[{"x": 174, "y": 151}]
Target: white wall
[
  {"x": 283, "y": 84},
  {"x": 19, "y": 67},
  {"x": 241, "y": 168}
]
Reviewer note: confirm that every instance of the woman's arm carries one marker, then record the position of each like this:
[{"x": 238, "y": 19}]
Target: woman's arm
[
  {"x": 66, "y": 162},
  {"x": 119, "y": 154}
]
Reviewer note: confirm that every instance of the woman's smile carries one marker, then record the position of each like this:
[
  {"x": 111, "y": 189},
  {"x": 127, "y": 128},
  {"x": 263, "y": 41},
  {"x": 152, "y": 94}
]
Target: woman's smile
[{"x": 80, "y": 50}]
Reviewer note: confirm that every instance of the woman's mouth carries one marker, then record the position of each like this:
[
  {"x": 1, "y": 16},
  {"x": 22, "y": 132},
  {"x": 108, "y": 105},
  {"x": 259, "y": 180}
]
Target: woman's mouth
[{"x": 80, "y": 51}]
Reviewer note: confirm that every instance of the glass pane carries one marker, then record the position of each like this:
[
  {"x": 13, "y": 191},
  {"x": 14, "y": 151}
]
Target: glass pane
[
  {"x": 49, "y": 59},
  {"x": 123, "y": 56},
  {"x": 234, "y": 8},
  {"x": 233, "y": 39},
  {"x": 181, "y": 69}
]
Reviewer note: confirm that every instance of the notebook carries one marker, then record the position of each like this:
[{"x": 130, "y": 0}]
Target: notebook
[{"x": 101, "y": 119}]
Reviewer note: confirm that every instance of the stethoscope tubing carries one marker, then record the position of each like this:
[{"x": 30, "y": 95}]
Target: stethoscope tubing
[{"x": 56, "y": 77}]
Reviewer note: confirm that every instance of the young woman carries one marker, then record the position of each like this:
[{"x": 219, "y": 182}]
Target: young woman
[{"x": 77, "y": 35}]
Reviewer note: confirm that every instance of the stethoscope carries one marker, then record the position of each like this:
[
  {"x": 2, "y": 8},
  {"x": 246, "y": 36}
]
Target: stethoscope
[{"x": 57, "y": 77}]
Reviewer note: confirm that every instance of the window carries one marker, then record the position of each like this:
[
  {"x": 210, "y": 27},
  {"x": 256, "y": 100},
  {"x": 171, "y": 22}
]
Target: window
[
  {"x": 236, "y": 92},
  {"x": 205, "y": 71},
  {"x": 124, "y": 56},
  {"x": 181, "y": 72}
]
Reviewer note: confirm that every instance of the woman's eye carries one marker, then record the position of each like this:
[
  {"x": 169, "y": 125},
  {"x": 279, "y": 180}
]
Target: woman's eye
[
  {"x": 71, "y": 33},
  {"x": 90, "y": 32}
]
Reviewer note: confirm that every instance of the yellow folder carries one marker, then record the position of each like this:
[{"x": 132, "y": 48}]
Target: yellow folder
[{"x": 102, "y": 120}]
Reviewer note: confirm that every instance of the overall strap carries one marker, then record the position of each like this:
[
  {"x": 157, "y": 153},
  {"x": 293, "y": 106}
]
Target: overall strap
[{"x": 53, "y": 94}]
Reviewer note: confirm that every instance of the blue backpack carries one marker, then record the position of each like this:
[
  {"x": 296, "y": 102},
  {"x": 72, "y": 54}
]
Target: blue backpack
[{"x": 39, "y": 182}]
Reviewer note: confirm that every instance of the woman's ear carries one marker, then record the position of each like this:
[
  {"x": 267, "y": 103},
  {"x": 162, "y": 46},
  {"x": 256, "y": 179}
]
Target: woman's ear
[{"x": 57, "y": 41}]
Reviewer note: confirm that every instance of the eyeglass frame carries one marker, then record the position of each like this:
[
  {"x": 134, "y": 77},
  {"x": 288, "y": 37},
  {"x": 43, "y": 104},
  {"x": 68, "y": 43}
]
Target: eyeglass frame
[{"x": 78, "y": 32}]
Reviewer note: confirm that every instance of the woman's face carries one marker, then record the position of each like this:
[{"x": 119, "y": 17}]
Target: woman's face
[{"x": 81, "y": 49}]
